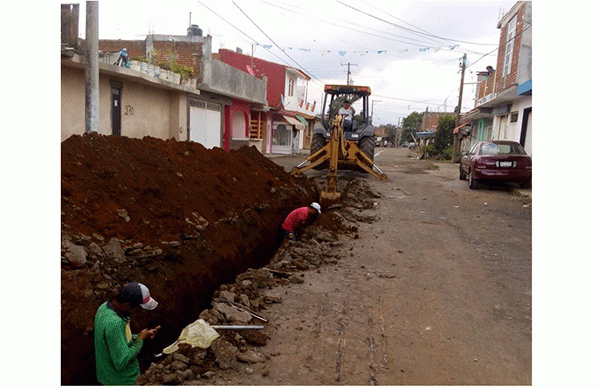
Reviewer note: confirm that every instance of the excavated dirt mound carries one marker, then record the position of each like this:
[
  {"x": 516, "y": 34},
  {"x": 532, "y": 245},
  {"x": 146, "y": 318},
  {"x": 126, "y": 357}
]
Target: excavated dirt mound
[{"x": 173, "y": 215}]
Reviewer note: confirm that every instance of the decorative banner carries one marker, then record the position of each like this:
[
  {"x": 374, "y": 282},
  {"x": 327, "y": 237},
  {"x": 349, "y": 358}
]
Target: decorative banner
[{"x": 342, "y": 53}]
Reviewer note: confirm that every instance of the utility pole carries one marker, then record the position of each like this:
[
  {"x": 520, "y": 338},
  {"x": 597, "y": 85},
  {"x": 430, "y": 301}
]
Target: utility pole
[
  {"x": 455, "y": 145},
  {"x": 373, "y": 109},
  {"x": 348, "y": 73},
  {"x": 92, "y": 75}
]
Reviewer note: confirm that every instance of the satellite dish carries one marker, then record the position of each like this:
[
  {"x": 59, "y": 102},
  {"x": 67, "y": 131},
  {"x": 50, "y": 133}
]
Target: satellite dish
[
  {"x": 250, "y": 70},
  {"x": 282, "y": 100}
]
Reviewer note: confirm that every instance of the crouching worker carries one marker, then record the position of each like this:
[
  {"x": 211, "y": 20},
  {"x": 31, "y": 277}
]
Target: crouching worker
[
  {"x": 116, "y": 348},
  {"x": 299, "y": 219}
]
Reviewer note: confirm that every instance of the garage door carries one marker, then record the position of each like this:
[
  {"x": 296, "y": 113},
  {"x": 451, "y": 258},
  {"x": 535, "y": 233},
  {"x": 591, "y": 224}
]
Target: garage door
[{"x": 205, "y": 123}]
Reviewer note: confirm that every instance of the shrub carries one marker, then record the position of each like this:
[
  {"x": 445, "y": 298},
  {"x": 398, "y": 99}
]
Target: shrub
[{"x": 183, "y": 70}]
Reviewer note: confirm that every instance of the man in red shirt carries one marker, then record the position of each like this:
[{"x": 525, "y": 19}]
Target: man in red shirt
[{"x": 299, "y": 219}]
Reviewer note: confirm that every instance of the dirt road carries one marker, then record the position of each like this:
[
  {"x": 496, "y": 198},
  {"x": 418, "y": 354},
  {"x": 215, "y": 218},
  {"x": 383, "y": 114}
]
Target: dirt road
[{"x": 435, "y": 291}]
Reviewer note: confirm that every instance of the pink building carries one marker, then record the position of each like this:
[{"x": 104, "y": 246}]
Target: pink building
[{"x": 287, "y": 125}]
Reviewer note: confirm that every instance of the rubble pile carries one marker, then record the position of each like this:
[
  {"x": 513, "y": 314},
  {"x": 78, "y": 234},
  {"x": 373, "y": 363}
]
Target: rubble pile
[{"x": 245, "y": 302}]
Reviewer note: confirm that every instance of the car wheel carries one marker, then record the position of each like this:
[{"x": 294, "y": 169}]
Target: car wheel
[
  {"x": 526, "y": 184},
  {"x": 461, "y": 174},
  {"x": 473, "y": 183}
]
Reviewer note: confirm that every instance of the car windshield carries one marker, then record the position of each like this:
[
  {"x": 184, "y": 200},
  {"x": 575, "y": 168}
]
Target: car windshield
[{"x": 501, "y": 149}]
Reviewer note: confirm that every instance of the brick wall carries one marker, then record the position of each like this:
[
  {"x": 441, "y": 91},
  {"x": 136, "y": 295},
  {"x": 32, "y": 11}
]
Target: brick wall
[
  {"x": 184, "y": 53},
  {"x": 135, "y": 48},
  {"x": 430, "y": 121}
]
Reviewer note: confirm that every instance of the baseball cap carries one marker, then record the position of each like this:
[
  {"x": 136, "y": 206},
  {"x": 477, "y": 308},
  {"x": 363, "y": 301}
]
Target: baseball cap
[
  {"x": 316, "y": 206},
  {"x": 137, "y": 293}
]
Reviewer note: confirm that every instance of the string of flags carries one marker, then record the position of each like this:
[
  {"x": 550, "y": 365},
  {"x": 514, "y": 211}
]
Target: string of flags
[{"x": 342, "y": 53}]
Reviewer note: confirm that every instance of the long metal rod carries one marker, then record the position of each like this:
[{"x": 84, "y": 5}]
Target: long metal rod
[{"x": 243, "y": 308}]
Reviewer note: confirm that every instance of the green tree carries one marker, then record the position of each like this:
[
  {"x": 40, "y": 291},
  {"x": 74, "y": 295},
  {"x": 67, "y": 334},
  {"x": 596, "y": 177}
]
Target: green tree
[
  {"x": 411, "y": 124},
  {"x": 390, "y": 133},
  {"x": 443, "y": 135}
]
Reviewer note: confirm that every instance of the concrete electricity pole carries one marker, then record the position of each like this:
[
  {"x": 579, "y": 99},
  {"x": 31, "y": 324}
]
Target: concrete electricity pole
[
  {"x": 92, "y": 75},
  {"x": 456, "y": 143},
  {"x": 348, "y": 73}
]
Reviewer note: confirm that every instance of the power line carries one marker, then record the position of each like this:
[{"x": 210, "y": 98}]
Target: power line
[
  {"x": 403, "y": 21},
  {"x": 345, "y": 21},
  {"x": 411, "y": 30},
  {"x": 251, "y": 38},
  {"x": 272, "y": 41},
  {"x": 329, "y": 22},
  {"x": 423, "y": 102}
]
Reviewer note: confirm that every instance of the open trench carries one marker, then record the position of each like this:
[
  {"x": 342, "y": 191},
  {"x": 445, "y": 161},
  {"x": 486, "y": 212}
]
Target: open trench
[{"x": 175, "y": 216}]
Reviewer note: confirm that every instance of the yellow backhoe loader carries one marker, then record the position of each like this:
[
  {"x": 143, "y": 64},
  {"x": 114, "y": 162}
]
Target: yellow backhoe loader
[{"x": 344, "y": 145}]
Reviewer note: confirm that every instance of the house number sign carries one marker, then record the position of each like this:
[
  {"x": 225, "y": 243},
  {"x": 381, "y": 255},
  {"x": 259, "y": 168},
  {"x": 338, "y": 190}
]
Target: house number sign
[{"x": 128, "y": 110}]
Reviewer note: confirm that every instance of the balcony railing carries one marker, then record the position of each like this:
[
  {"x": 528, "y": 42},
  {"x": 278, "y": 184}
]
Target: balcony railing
[
  {"x": 296, "y": 104},
  {"x": 486, "y": 88}
]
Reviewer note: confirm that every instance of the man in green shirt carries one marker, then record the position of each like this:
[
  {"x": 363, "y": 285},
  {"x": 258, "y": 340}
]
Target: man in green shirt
[{"x": 116, "y": 348}]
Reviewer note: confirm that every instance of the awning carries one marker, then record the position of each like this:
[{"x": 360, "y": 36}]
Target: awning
[
  {"x": 525, "y": 88},
  {"x": 302, "y": 120},
  {"x": 459, "y": 127},
  {"x": 293, "y": 121}
]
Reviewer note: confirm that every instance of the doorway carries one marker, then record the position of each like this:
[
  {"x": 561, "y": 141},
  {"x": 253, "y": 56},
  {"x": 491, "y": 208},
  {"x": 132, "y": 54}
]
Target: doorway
[{"x": 115, "y": 108}]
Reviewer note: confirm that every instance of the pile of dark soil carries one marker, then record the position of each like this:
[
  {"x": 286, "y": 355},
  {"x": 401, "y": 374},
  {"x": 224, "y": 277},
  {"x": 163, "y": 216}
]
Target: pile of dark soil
[{"x": 173, "y": 215}]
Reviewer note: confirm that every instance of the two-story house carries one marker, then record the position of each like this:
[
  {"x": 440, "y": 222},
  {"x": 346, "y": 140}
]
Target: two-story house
[
  {"x": 287, "y": 126},
  {"x": 144, "y": 99},
  {"x": 503, "y": 107}
]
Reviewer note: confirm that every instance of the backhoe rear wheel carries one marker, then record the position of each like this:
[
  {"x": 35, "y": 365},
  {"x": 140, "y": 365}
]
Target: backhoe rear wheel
[
  {"x": 367, "y": 145},
  {"x": 318, "y": 142}
]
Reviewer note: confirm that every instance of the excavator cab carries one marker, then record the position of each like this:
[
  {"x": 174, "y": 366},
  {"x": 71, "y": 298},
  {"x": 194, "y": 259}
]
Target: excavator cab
[
  {"x": 362, "y": 130},
  {"x": 351, "y": 148}
]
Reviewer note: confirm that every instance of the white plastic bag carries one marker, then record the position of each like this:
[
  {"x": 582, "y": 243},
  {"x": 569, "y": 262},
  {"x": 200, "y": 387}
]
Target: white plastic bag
[{"x": 197, "y": 334}]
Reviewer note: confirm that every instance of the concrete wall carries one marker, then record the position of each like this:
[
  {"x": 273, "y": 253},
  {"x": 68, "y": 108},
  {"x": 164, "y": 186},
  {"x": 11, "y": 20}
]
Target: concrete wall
[
  {"x": 503, "y": 129},
  {"x": 221, "y": 78},
  {"x": 153, "y": 114},
  {"x": 72, "y": 102},
  {"x": 274, "y": 72}
]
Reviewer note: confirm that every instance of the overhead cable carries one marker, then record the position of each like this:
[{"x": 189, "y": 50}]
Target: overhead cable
[
  {"x": 272, "y": 41},
  {"x": 420, "y": 44},
  {"x": 248, "y": 36},
  {"x": 413, "y": 31}
]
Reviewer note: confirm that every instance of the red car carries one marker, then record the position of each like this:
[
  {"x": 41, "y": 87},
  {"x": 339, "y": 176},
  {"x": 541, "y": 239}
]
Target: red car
[{"x": 496, "y": 160}]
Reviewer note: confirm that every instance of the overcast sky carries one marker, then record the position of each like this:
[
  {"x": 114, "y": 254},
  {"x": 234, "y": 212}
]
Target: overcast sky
[{"x": 407, "y": 52}]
